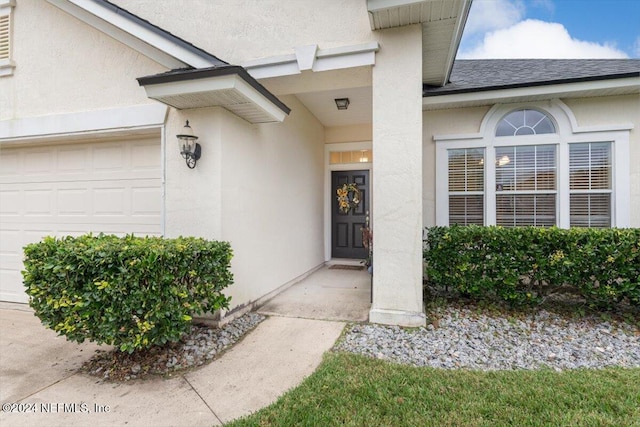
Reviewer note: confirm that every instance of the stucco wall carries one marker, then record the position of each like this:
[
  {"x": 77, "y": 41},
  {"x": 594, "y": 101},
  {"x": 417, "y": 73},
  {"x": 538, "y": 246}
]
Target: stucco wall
[
  {"x": 64, "y": 65},
  {"x": 193, "y": 196},
  {"x": 352, "y": 133},
  {"x": 396, "y": 184},
  {"x": 607, "y": 110},
  {"x": 442, "y": 122},
  {"x": 272, "y": 199},
  {"x": 260, "y": 187},
  {"x": 241, "y": 30}
]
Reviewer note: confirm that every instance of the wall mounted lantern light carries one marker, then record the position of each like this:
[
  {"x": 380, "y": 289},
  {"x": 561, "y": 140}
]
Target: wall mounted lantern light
[
  {"x": 189, "y": 148},
  {"x": 342, "y": 103}
]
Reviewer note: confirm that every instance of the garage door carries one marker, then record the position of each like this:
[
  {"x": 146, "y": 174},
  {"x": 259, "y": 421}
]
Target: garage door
[{"x": 70, "y": 189}]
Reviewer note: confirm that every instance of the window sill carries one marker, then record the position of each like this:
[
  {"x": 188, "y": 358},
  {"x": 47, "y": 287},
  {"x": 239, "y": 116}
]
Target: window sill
[{"x": 6, "y": 67}]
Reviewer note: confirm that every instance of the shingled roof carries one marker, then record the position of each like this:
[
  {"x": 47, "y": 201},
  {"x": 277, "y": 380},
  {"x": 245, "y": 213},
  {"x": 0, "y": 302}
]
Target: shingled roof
[{"x": 479, "y": 75}]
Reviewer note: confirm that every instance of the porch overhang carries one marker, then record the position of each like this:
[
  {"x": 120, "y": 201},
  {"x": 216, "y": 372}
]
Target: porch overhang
[
  {"x": 230, "y": 87},
  {"x": 442, "y": 24}
]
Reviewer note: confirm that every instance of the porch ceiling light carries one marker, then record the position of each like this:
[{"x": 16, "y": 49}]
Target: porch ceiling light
[
  {"x": 189, "y": 148},
  {"x": 342, "y": 103}
]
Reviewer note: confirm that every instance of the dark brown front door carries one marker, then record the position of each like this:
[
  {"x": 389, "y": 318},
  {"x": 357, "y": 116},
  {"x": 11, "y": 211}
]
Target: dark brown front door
[{"x": 346, "y": 234}]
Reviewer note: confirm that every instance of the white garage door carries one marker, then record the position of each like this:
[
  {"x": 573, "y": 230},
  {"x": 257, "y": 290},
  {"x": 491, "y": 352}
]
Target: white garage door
[{"x": 70, "y": 189}]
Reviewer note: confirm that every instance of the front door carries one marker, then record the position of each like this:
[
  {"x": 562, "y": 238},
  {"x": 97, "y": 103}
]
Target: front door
[{"x": 346, "y": 233}]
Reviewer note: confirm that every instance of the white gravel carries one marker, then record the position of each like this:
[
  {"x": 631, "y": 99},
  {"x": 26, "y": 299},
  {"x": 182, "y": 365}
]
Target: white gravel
[
  {"x": 205, "y": 343},
  {"x": 465, "y": 338},
  {"x": 200, "y": 345}
]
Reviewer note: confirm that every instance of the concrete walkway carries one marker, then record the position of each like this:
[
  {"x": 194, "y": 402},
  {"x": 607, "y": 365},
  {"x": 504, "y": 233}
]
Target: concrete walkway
[
  {"x": 38, "y": 370},
  {"x": 327, "y": 294}
]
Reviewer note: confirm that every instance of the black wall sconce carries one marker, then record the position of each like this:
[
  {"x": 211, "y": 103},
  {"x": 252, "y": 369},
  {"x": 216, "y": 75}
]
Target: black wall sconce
[
  {"x": 342, "y": 103},
  {"x": 189, "y": 148}
]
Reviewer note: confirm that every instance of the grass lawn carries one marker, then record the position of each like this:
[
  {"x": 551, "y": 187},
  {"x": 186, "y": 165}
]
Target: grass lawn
[{"x": 357, "y": 391}]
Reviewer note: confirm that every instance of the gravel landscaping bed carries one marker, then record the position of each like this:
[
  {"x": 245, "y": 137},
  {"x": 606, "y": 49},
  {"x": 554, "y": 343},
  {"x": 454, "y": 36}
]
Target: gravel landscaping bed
[
  {"x": 479, "y": 339},
  {"x": 196, "y": 348}
]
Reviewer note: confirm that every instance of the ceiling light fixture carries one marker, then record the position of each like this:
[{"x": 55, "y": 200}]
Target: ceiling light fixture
[{"x": 342, "y": 103}]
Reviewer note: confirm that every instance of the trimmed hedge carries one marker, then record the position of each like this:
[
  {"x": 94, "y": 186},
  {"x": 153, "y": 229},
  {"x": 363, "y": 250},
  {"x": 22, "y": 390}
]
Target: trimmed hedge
[
  {"x": 130, "y": 292},
  {"x": 523, "y": 265}
]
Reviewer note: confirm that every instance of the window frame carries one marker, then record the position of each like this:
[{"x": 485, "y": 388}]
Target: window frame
[
  {"x": 7, "y": 64},
  {"x": 466, "y": 192},
  {"x": 591, "y": 191},
  {"x": 567, "y": 132}
]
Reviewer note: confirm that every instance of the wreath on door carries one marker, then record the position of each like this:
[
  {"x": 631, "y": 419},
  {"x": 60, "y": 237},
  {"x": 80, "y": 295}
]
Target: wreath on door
[{"x": 348, "y": 197}]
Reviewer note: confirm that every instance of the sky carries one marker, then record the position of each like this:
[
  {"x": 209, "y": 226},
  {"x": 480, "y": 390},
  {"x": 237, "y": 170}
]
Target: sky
[{"x": 552, "y": 29}]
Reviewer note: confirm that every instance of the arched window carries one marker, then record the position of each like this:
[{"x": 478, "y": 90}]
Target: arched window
[
  {"x": 525, "y": 122},
  {"x": 534, "y": 166}
]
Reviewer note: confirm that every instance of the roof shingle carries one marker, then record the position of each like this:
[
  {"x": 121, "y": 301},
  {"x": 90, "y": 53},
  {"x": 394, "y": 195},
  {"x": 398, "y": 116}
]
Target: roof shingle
[{"x": 478, "y": 75}]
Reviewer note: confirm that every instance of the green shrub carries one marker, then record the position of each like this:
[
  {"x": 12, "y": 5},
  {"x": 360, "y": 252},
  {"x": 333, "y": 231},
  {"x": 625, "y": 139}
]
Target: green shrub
[
  {"x": 523, "y": 265},
  {"x": 130, "y": 292}
]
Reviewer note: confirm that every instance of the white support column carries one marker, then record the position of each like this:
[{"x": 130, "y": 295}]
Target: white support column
[{"x": 397, "y": 180}]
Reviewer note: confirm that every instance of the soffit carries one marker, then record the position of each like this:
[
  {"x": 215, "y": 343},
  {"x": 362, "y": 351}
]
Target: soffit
[
  {"x": 230, "y": 87},
  {"x": 397, "y": 13},
  {"x": 322, "y": 105},
  {"x": 442, "y": 24}
]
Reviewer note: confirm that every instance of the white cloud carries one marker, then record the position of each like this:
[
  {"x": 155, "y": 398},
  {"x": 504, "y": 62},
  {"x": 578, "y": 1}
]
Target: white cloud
[
  {"x": 537, "y": 39},
  {"x": 490, "y": 15}
]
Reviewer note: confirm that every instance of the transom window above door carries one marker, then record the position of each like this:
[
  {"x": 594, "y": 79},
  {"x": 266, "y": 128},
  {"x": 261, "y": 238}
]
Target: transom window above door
[{"x": 353, "y": 156}]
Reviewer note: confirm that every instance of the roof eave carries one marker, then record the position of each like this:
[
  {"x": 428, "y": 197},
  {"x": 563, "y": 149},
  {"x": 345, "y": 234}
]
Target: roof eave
[
  {"x": 576, "y": 88},
  {"x": 437, "y": 62},
  {"x": 443, "y": 91},
  {"x": 442, "y": 21},
  {"x": 230, "y": 87}
]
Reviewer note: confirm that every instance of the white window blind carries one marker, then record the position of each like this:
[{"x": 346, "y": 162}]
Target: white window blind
[
  {"x": 466, "y": 186},
  {"x": 590, "y": 184},
  {"x": 526, "y": 185},
  {"x": 4, "y": 37}
]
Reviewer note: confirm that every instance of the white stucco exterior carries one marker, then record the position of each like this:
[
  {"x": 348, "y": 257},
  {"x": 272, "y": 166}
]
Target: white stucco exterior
[
  {"x": 63, "y": 65},
  {"x": 239, "y": 32},
  {"x": 273, "y": 181},
  {"x": 397, "y": 184},
  {"x": 260, "y": 187},
  {"x": 273, "y": 205},
  {"x": 266, "y": 187}
]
